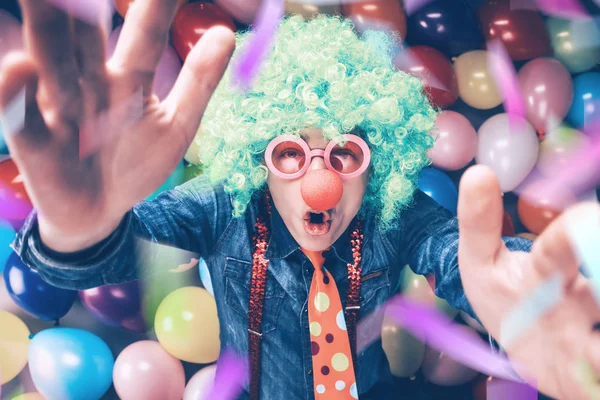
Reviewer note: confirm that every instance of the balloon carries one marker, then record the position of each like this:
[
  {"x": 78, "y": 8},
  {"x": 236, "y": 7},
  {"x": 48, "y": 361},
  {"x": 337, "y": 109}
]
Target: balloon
[
  {"x": 201, "y": 384},
  {"x": 11, "y": 179},
  {"x": 576, "y": 43},
  {"x": 537, "y": 210},
  {"x": 242, "y": 10},
  {"x": 522, "y": 30},
  {"x": 177, "y": 178},
  {"x": 167, "y": 70},
  {"x": 122, "y": 6},
  {"x": 69, "y": 363},
  {"x": 192, "y": 21},
  {"x": 192, "y": 155},
  {"x": 205, "y": 276},
  {"x": 187, "y": 326},
  {"x": 29, "y": 396},
  {"x": 448, "y": 26},
  {"x": 7, "y": 236},
  {"x": 11, "y": 37},
  {"x": 586, "y": 101},
  {"x": 559, "y": 148},
  {"x": 144, "y": 370},
  {"x": 548, "y": 92},
  {"x": 456, "y": 143},
  {"x": 442, "y": 370},
  {"x": 3, "y": 145},
  {"x": 439, "y": 187},
  {"x": 311, "y": 10},
  {"x": 404, "y": 352},
  {"x": 476, "y": 85},
  {"x": 40, "y": 299},
  {"x": 117, "y": 305},
  {"x": 508, "y": 228},
  {"x": 417, "y": 287},
  {"x": 385, "y": 15},
  {"x": 480, "y": 387},
  {"x": 14, "y": 346},
  {"x": 434, "y": 70},
  {"x": 510, "y": 150}
]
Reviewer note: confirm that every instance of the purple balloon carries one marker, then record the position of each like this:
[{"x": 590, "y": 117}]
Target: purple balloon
[
  {"x": 167, "y": 71},
  {"x": 117, "y": 305}
]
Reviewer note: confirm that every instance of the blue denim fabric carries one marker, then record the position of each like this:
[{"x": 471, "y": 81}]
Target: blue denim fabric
[{"x": 197, "y": 217}]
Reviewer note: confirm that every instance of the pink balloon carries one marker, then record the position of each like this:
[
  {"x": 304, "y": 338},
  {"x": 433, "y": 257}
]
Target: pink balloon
[
  {"x": 11, "y": 37},
  {"x": 442, "y": 370},
  {"x": 201, "y": 384},
  {"x": 547, "y": 88},
  {"x": 241, "y": 10},
  {"x": 456, "y": 142},
  {"x": 144, "y": 370},
  {"x": 167, "y": 71}
]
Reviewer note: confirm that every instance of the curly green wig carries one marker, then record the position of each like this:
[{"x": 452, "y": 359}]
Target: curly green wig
[{"x": 321, "y": 74}]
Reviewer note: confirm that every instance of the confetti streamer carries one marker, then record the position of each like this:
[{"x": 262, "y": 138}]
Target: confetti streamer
[
  {"x": 434, "y": 328},
  {"x": 231, "y": 377},
  {"x": 541, "y": 300},
  {"x": 11, "y": 206},
  {"x": 498, "y": 389},
  {"x": 505, "y": 76},
  {"x": 260, "y": 42},
  {"x": 412, "y": 6}
]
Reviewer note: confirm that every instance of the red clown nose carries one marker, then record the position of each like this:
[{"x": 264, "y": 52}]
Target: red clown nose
[{"x": 321, "y": 189}]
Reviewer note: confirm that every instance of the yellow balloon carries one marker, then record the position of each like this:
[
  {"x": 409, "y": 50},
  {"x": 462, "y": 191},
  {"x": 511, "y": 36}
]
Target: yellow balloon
[
  {"x": 404, "y": 352},
  {"x": 14, "y": 346},
  {"x": 29, "y": 396},
  {"x": 416, "y": 287},
  {"x": 309, "y": 11},
  {"x": 476, "y": 85},
  {"x": 187, "y": 326}
]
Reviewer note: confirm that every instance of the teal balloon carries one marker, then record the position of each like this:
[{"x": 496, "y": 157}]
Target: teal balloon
[
  {"x": 177, "y": 178},
  {"x": 7, "y": 235},
  {"x": 70, "y": 364},
  {"x": 3, "y": 146},
  {"x": 576, "y": 43},
  {"x": 586, "y": 101},
  {"x": 205, "y": 276},
  {"x": 439, "y": 187}
]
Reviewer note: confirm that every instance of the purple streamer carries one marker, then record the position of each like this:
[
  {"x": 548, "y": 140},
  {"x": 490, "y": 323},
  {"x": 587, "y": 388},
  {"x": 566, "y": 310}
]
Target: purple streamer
[
  {"x": 11, "y": 207},
  {"x": 259, "y": 43},
  {"x": 434, "y": 328},
  {"x": 231, "y": 377}
]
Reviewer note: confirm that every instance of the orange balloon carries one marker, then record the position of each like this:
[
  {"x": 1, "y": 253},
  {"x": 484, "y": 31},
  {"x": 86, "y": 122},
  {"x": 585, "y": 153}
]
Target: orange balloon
[
  {"x": 538, "y": 210},
  {"x": 123, "y": 5},
  {"x": 377, "y": 14}
]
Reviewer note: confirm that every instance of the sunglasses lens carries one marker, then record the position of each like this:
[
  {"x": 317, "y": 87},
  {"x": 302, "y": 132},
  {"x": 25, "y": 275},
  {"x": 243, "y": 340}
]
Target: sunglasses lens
[
  {"x": 348, "y": 158},
  {"x": 288, "y": 157}
]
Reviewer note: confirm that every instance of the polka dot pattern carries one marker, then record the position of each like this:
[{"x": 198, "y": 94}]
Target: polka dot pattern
[{"x": 330, "y": 346}]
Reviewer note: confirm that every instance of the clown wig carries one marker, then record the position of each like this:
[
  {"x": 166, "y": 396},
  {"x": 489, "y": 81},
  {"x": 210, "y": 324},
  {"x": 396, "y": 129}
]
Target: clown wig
[{"x": 320, "y": 74}]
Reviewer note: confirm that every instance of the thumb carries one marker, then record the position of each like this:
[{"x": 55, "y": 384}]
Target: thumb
[{"x": 480, "y": 212}]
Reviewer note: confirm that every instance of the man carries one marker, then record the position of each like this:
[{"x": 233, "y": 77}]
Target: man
[{"x": 308, "y": 207}]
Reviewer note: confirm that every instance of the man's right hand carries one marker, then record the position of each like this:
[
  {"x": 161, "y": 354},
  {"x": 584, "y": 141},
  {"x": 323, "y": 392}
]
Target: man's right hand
[{"x": 76, "y": 102}]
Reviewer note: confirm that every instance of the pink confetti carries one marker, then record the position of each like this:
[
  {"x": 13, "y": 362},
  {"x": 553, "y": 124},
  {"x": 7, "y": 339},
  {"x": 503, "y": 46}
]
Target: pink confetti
[
  {"x": 412, "y": 6},
  {"x": 231, "y": 377},
  {"x": 260, "y": 42},
  {"x": 433, "y": 327},
  {"x": 505, "y": 77},
  {"x": 567, "y": 9}
]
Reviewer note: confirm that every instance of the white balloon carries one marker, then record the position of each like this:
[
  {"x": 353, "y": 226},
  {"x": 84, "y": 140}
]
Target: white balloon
[
  {"x": 510, "y": 148},
  {"x": 200, "y": 384}
]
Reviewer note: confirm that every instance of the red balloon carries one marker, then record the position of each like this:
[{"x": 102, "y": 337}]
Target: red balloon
[
  {"x": 522, "y": 31},
  {"x": 434, "y": 70},
  {"x": 192, "y": 21},
  {"x": 10, "y": 175},
  {"x": 537, "y": 209},
  {"x": 377, "y": 14},
  {"x": 12, "y": 192},
  {"x": 508, "y": 228}
]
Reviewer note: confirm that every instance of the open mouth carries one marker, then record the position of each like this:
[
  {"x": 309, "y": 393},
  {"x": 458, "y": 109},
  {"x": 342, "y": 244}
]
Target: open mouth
[{"x": 317, "y": 223}]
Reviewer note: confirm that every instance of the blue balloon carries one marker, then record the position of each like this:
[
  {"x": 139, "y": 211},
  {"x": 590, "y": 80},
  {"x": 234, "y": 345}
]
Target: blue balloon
[
  {"x": 34, "y": 295},
  {"x": 205, "y": 276},
  {"x": 3, "y": 146},
  {"x": 70, "y": 364},
  {"x": 7, "y": 235},
  {"x": 177, "y": 178},
  {"x": 439, "y": 187},
  {"x": 586, "y": 100},
  {"x": 449, "y": 26}
]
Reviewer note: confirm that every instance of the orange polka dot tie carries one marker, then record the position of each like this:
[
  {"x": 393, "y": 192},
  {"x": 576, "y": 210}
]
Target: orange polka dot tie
[{"x": 333, "y": 370}]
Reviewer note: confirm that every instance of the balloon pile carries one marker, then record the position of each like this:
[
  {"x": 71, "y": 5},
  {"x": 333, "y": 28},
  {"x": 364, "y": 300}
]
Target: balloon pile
[{"x": 518, "y": 89}]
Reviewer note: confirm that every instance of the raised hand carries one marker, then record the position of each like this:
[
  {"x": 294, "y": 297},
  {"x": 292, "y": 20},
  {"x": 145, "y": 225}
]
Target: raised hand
[
  {"x": 560, "y": 349},
  {"x": 94, "y": 139}
]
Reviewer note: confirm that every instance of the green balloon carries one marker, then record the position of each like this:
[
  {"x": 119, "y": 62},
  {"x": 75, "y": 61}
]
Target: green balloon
[{"x": 576, "y": 43}]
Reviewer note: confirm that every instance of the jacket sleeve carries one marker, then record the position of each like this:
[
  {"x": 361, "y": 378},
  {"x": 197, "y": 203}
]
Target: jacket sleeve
[
  {"x": 429, "y": 244},
  {"x": 190, "y": 217}
]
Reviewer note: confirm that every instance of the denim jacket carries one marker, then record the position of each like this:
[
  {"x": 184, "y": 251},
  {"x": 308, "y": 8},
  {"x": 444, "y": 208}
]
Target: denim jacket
[{"x": 197, "y": 217}]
